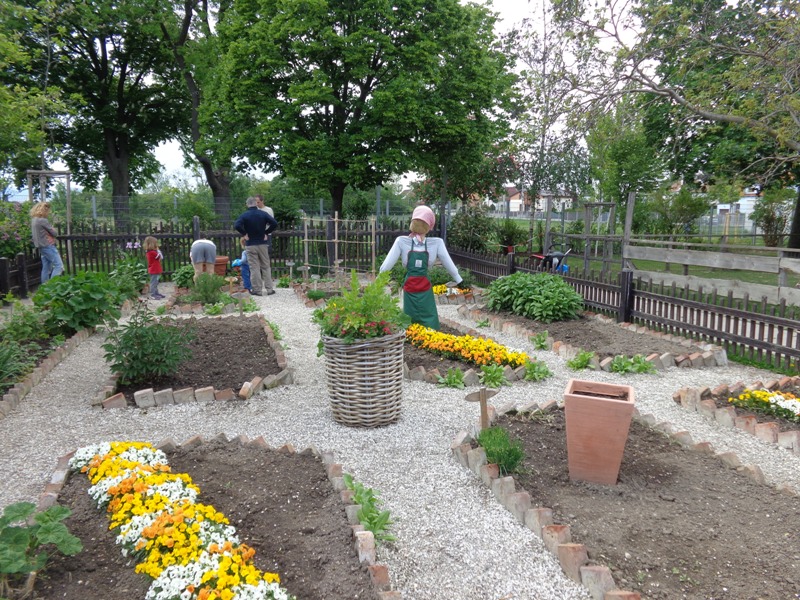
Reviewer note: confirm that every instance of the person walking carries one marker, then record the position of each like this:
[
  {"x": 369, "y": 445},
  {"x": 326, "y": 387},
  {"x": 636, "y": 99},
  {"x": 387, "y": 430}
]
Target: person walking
[
  {"x": 154, "y": 268},
  {"x": 418, "y": 253},
  {"x": 203, "y": 255},
  {"x": 44, "y": 239},
  {"x": 256, "y": 225}
]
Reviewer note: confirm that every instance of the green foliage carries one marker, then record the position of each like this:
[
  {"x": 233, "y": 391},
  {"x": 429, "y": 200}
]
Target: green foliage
[
  {"x": 15, "y": 228},
  {"x": 276, "y": 332},
  {"x": 284, "y": 281},
  {"x": 183, "y": 276},
  {"x": 22, "y": 323},
  {"x": 581, "y": 360},
  {"x": 15, "y": 362},
  {"x": 369, "y": 515},
  {"x": 482, "y": 323},
  {"x": 501, "y": 450},
  {"x": 536, "y": 370},
  {"x": 316, "y": 294},
  {"x": 542, "y": 297},
  {"x": 208, "y": 289},
  {"x": 493, "y": 376},
  {"x": 454, "y": 379},
  {"x": 470, "y": 228},
  {"x": 636, "y": 364},
  {"x": 214, "y": 309},
  {"x": 510, "y": 233},
  {"x": 84, "y": 300},
  {"x": 144, "y": 348},
  {"x": 772, "y": 213},
  {"x": 129, "y": 274},
  {"x": 539, "y": 340},
  {"x": 248, "y": 305},
  {"x": 439, "y": 276},
  {"x": 360, "y": 314},
  {"x": 25, "y": 542}
]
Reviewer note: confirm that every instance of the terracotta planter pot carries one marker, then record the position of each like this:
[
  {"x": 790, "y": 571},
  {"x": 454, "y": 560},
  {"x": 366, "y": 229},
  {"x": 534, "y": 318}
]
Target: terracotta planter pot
[
  {"x": 221, "y": 265},
  {"x": 598, "y": 417}
]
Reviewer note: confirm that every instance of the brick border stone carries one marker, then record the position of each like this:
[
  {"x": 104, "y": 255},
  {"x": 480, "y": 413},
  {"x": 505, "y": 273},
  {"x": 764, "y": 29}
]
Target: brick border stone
[
  {"x": 699, "y": 400},
  {"x": 363, "y": 541},
  {"x": 108, "y": 398},
  {"x": 14, "y": 395}
]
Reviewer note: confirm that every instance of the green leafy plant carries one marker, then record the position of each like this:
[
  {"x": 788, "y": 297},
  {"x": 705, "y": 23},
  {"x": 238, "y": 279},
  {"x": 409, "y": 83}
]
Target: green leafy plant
[
  {"x": 542, "y": 297},
  {"x": 284, "y": 281},
  {"x": 636, "y": 364},
  {"x": 208, "y": 289},
  {"x": 316, "y": 294},
  {"x": 500, "y": 449},
  {"x": 84, "y": 300},
  {"x": 493, "y": 376},
  {"x": 369, "y": 515},
  {"x": 276, "y": 332},
  {"x": 539, "y": 340},
  {"x": 536, "y": 370},
  {"x": 361, "y": 314},
  {"x": 248, "y": 305},
  {"x": 482, "y": 323},
  {"x": 453, "y": 379},
  {"x": 129, "y": 275},
  {"x": 183, "y": 276},
  {"x": 581, "y": 360},
  {"x": 510, "y": 233},
  {"x": 214, "y": 309},
  {"x": 22, "y": 323},
  {"x": 15, "y": 363},
  {"x": 161, "y": 310},
  {"x": 27, "y": 543},
  {"x": 145, "y": 348}
]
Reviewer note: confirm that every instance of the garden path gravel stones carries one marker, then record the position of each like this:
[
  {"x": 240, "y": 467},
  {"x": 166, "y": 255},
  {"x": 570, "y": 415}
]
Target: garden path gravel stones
[{"x": 454, "y": 539}]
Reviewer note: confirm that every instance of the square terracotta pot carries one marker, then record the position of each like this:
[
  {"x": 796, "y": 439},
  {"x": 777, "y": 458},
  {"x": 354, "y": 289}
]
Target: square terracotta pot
[{"x": 598, "y": 417}]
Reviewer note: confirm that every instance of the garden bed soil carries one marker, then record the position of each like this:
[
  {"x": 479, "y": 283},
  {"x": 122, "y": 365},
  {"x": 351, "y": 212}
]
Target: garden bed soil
[
  {"x": 679, "y": 523},
  {"x": 282, "y": 505},
  {"x": 226, "y": 352}
]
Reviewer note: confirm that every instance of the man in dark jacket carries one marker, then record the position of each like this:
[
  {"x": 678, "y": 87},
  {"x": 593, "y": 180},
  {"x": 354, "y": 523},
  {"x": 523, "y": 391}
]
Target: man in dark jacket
[{"x": 255, "y": 225}]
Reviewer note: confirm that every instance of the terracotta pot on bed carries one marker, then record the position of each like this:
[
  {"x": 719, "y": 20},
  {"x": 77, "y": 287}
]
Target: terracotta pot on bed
[{"x": 598, "y": 417}]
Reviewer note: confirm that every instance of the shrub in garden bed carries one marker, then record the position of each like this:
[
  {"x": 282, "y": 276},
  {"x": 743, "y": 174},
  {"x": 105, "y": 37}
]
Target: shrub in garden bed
[{"x": 541, "y": 297}]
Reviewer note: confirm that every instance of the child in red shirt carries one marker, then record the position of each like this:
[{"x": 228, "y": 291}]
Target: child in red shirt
[{"x": 154, "y": 258}]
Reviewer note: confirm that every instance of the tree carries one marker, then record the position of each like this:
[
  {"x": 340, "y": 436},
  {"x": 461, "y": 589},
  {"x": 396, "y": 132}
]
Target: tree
[
  {"x": 111, "y": 64},
  {"x": 350, "y": 93},
  {"x": 677, "y": 212},
  {"x": 771, "y": 214},
  {"x": 728, "y": 62}
]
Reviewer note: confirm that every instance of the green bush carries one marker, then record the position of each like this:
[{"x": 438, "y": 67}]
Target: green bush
[
  {"x": 500, "y": 450},
  {"x": 84, "y": 300},
  {"x": 144, "y": 348},
  {"x": 469, "y": 227},
  {"x": 541, "y": 297},
  {"x": 129, "y": 275},
  {"x": 207, "y": 289},
  {"x": 24, "y": 543},
  {"x": 23, "y": 323},
  {"x": 510, "y": 233},
  {"x": 183, "y": 276},
  {"x": 15, "y": 362},
  {"x": 15, "y": 228}
]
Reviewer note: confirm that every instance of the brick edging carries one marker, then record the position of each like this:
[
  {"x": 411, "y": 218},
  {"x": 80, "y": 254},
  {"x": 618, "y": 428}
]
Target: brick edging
[
  {"x": 699, "y": 400},
  {"x": 364, "y": 541},
  {"x": 146, "y": 398},
  {"x": 572, "y": 557},
  {"x": 696, "y": 356},
  {"x": 12, "y": 398}
]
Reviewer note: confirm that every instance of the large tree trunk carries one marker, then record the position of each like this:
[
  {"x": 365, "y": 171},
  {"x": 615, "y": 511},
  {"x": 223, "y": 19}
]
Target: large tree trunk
[
  {"x": 337, "y": 195},
  {"x": 117, "y": 161},
  {"x": 220, "y": 183}
]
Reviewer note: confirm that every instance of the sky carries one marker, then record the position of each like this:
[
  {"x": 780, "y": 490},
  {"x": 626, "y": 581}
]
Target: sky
[{"x": 510, "y": 13}]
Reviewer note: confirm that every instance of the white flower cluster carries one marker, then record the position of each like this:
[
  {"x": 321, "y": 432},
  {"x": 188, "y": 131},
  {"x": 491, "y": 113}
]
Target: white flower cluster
[
  {"x": 85, "y": 454},
  {"x": 173, "y": 581},
  {"x": 792, "y": 404}
]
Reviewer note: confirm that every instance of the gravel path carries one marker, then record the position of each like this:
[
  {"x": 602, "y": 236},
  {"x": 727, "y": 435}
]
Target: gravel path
[{"x": 454, "y": 540}]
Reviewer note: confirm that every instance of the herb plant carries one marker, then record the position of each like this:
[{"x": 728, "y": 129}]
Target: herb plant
[
  {"x": 501, "y": 450},
  {"x": 83, "y": 300},
  {"x": 129, "y": 275},
  {"x": 536, "y": 370},
  {"x": 482, "y": 323},
  {"x": 183, "y": 276},
  {"x": 369, "y": 515},
  {"x": 493, "y": 376},
  {"x": 208, "y": 289},
  {"x": 581, "y": 360},
  {"x": 25, "y": 543},
  {"x": 453, "y": 379},
  {"x": 636, "y": 364},
  {"x": 145, "y": 348},
  {"x": 542, "y": 297},
  {"x": 539, "y": 340},
  {"x": 15, "y": 363}
]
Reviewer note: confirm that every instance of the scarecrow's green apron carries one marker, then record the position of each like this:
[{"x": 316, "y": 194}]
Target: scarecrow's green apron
[{"x": 418, "y": 300}]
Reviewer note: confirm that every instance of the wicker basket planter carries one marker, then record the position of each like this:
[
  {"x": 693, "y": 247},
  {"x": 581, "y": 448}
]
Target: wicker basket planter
[{"x": 365, "y": 379}]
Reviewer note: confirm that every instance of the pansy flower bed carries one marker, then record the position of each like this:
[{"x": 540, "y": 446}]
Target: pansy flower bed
[
  {"x": 189, "y": 549},
  {"x": 442, "y": 289},
  {"x": 784, "y": 405},
  {"x": 473, "y": 350}
]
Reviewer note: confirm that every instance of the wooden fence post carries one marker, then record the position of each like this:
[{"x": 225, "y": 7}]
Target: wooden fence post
[
  {"x": 195, "y": 228},
  {"x": 5, "y": 275},
  {"x": 510, "y": 266},
  {"x": 23, "y": 275},
  {"x": 625, "y": 296}
]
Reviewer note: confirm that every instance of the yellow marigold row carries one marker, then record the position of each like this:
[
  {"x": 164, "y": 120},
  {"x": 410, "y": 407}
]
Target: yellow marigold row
[{"x": 478, "y": 351}]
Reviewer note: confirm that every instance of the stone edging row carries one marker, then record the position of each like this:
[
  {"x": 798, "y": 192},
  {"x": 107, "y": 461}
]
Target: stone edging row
[
  {"x": 14, "y": 395},
  {"x": 109, "y": 398},
  {"x": 364, "y": 541},
  {"x": 557, "y": 539},
  {"x": 699, "y": 400},
  {"x": 696, "y": 356}
]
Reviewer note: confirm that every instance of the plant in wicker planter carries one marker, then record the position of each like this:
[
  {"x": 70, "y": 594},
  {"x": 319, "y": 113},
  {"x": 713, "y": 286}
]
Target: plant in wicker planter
[{"x": 363, "y": 333}]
